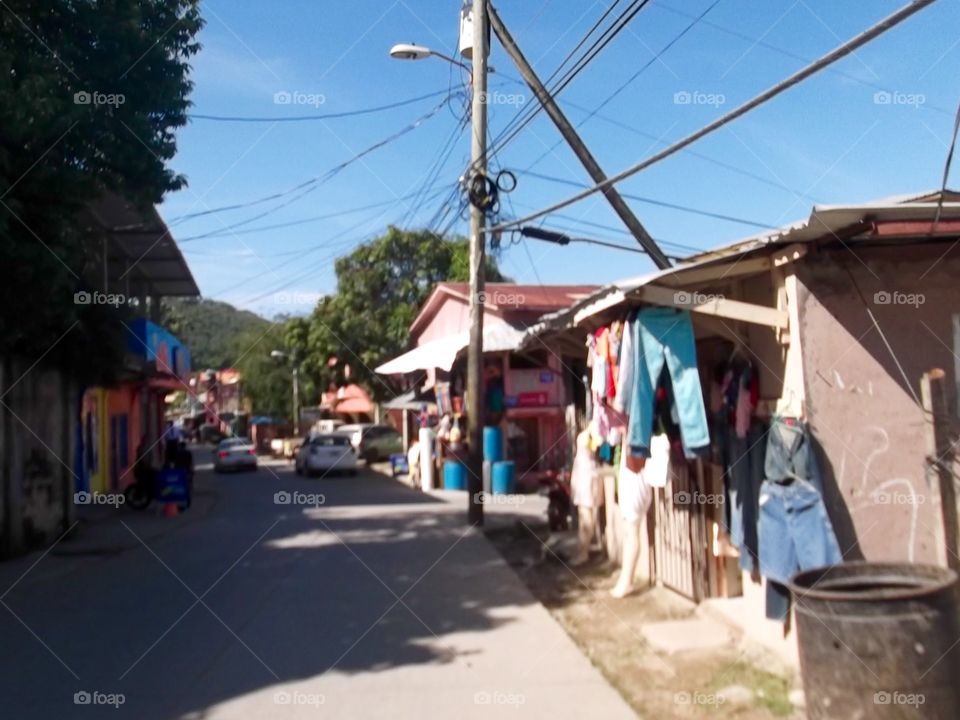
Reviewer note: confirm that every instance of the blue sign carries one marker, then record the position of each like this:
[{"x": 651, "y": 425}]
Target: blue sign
[
  {"x": 155, "y": 343},
  {"x": 172, "y": 486},
  {"x": 546, "y": 377}
]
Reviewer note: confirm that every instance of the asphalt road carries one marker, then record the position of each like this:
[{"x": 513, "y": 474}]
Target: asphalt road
[{"x": 284, "y": 597}]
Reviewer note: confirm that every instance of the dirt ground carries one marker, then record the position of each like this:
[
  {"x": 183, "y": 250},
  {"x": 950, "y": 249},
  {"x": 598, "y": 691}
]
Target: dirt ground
[{"x": 725, "y": 683}]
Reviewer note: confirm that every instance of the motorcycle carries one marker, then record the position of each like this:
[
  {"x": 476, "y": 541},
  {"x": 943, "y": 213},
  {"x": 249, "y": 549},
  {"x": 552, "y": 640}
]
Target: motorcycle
[{"x": 560, "y": 503}]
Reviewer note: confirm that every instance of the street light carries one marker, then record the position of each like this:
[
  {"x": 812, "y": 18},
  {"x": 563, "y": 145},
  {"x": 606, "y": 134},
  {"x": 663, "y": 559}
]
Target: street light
[
  {"x": 281, "y": 355},
  {"x": 409, "y": 51},
  {"x": 475, "y": 37}
]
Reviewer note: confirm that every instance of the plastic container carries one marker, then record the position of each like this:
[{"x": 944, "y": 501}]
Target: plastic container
[
  {"x": 504, "y": 477},
  {"x": 879, "y": 641},
  {"x": 454, "y": 475},
  {"x": 492, "y": 443}
]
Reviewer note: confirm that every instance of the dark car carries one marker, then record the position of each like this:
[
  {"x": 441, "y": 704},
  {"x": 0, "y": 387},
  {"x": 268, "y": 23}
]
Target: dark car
[{"x": 373, "y": 442}]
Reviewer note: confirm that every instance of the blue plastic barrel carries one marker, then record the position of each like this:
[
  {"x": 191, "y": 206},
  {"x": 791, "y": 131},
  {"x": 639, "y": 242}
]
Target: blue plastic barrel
[
  {"x": 492, "y": 443},
  {"x": 504, "y": 479},
  {"x": 454, "y": 475}
]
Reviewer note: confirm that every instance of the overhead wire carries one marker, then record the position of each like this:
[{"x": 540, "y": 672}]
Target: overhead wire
[
  {"x": 514, "y": 128},
  {"x": 841, "y": 51},
  {"x": 658, "y": 203},
  {"x": 319, "y": 179},
  {"x": 323, "y": 116},
  {"x": 759, "y": 42},
  {"x": 623, "y": 86}
]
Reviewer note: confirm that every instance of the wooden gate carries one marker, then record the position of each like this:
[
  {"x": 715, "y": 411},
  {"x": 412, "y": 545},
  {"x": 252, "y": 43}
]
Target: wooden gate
[{"x": 681, "y": 538}]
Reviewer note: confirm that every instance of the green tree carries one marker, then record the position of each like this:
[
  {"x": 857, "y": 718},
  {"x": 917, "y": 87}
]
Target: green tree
[
  {"x": 92, "y": 94},
  {"x": 266, "y": 380},
  {"x": 217, "y": 333},
  {"x": 380, "y": 288}
]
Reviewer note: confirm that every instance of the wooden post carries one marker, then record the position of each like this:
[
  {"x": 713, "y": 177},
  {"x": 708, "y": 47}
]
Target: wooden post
[{"x": 941, "y": 459}]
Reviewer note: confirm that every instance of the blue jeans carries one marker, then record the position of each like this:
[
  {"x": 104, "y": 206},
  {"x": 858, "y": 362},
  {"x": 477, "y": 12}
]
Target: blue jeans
[
  {"x": 795, "y": 531},
  {"x": 665, "y": 336}
]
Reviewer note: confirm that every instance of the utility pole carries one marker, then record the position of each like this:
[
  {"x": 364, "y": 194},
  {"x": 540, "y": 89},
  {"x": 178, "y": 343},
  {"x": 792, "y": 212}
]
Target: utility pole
[
  {"x": 296, "y": 396},
  {"x": 573, "y": 139},
  {"x": 478, "y": 166}
]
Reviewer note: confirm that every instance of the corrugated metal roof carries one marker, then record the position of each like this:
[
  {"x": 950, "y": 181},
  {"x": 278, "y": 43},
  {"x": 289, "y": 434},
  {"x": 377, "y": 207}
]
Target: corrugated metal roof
[{"x": 824, "y": 221}]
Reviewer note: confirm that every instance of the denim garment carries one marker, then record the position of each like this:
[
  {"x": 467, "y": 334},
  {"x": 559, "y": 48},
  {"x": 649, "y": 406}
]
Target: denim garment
[
  {"x": 745, "y": 476},
  {"x": 790, "y": 454},
  {"x": 795, "y": 531},
  {"x": 665, "y": 336}
]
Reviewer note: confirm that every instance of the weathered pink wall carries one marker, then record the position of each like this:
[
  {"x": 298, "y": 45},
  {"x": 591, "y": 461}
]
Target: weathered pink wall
[{"x": 864, "y": 412}]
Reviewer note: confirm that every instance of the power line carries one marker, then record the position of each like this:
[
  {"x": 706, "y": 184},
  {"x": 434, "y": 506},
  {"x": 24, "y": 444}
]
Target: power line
[
  {"x": 326, "y": 116},
  {"x": 312, "y": 219},
  {"x": 758, "y": 42},
  {"x": 314, "y": 181},
  {"x": 658, "y": 203},
  {"x": 509, "y": 133},
  {"x": 632, "y": 78},
  {"x": 831, "y": 57}
]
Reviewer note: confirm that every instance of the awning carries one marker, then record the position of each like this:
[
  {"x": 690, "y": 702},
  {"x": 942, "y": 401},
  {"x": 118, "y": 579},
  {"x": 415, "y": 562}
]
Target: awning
[
  {"x": 142, "y": 257},
  {"x": 442, "y": 353},
  {"x": 410, "y": 400}
]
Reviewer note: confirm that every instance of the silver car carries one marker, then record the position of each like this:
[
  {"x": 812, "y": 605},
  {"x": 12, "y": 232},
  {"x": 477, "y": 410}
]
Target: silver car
[
  {"x": 326, "y": 452},
  {"x": 235, "y": 453}
]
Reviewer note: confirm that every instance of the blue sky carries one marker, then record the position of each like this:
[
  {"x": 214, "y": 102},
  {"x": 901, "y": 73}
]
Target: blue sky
[{"x": 829, "y": 140}]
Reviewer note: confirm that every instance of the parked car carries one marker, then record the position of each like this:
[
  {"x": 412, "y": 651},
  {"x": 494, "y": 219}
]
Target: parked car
[
  {"x": 373, "y": 442},
  {"x": 355, "y": 432},
  {"x": 236, "y": 453},
  {"x": 325, "y": 452}
]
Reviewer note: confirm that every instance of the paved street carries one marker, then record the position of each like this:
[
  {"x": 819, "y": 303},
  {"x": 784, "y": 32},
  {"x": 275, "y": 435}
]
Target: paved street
[{"x": 376, "y": 603}]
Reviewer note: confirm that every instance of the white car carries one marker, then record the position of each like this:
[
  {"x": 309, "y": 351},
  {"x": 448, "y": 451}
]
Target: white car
[
  {"x": 235, "y": 453},
  {"x": 326, "y": 452}
]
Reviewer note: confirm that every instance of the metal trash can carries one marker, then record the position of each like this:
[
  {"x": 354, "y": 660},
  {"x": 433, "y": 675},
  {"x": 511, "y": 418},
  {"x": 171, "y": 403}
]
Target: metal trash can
[{"x": 879, "y": 641}]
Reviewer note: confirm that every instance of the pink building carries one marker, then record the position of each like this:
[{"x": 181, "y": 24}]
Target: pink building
[{"x": 529, "y": 391}]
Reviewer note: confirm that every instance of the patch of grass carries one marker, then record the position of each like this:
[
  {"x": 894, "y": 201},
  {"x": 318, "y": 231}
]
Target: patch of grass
[{"x": 770, "y": 691}]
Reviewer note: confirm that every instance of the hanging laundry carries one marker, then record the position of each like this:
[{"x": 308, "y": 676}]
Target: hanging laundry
[
  {"x": 657, "y": 467},
  {"x": 664, "y": 337},
  {"x": 795, "y": 532},
  {"x": 625, "y": 374}
]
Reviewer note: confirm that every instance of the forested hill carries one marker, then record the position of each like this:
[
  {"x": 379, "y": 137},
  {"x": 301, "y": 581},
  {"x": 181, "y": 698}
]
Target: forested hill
[{"x": 211, "y": 329}]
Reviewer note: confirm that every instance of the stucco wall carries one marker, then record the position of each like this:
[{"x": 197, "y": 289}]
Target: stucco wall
[
  {"x": 37, "y": 443},
  {"x": 864, "y": 411}
]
